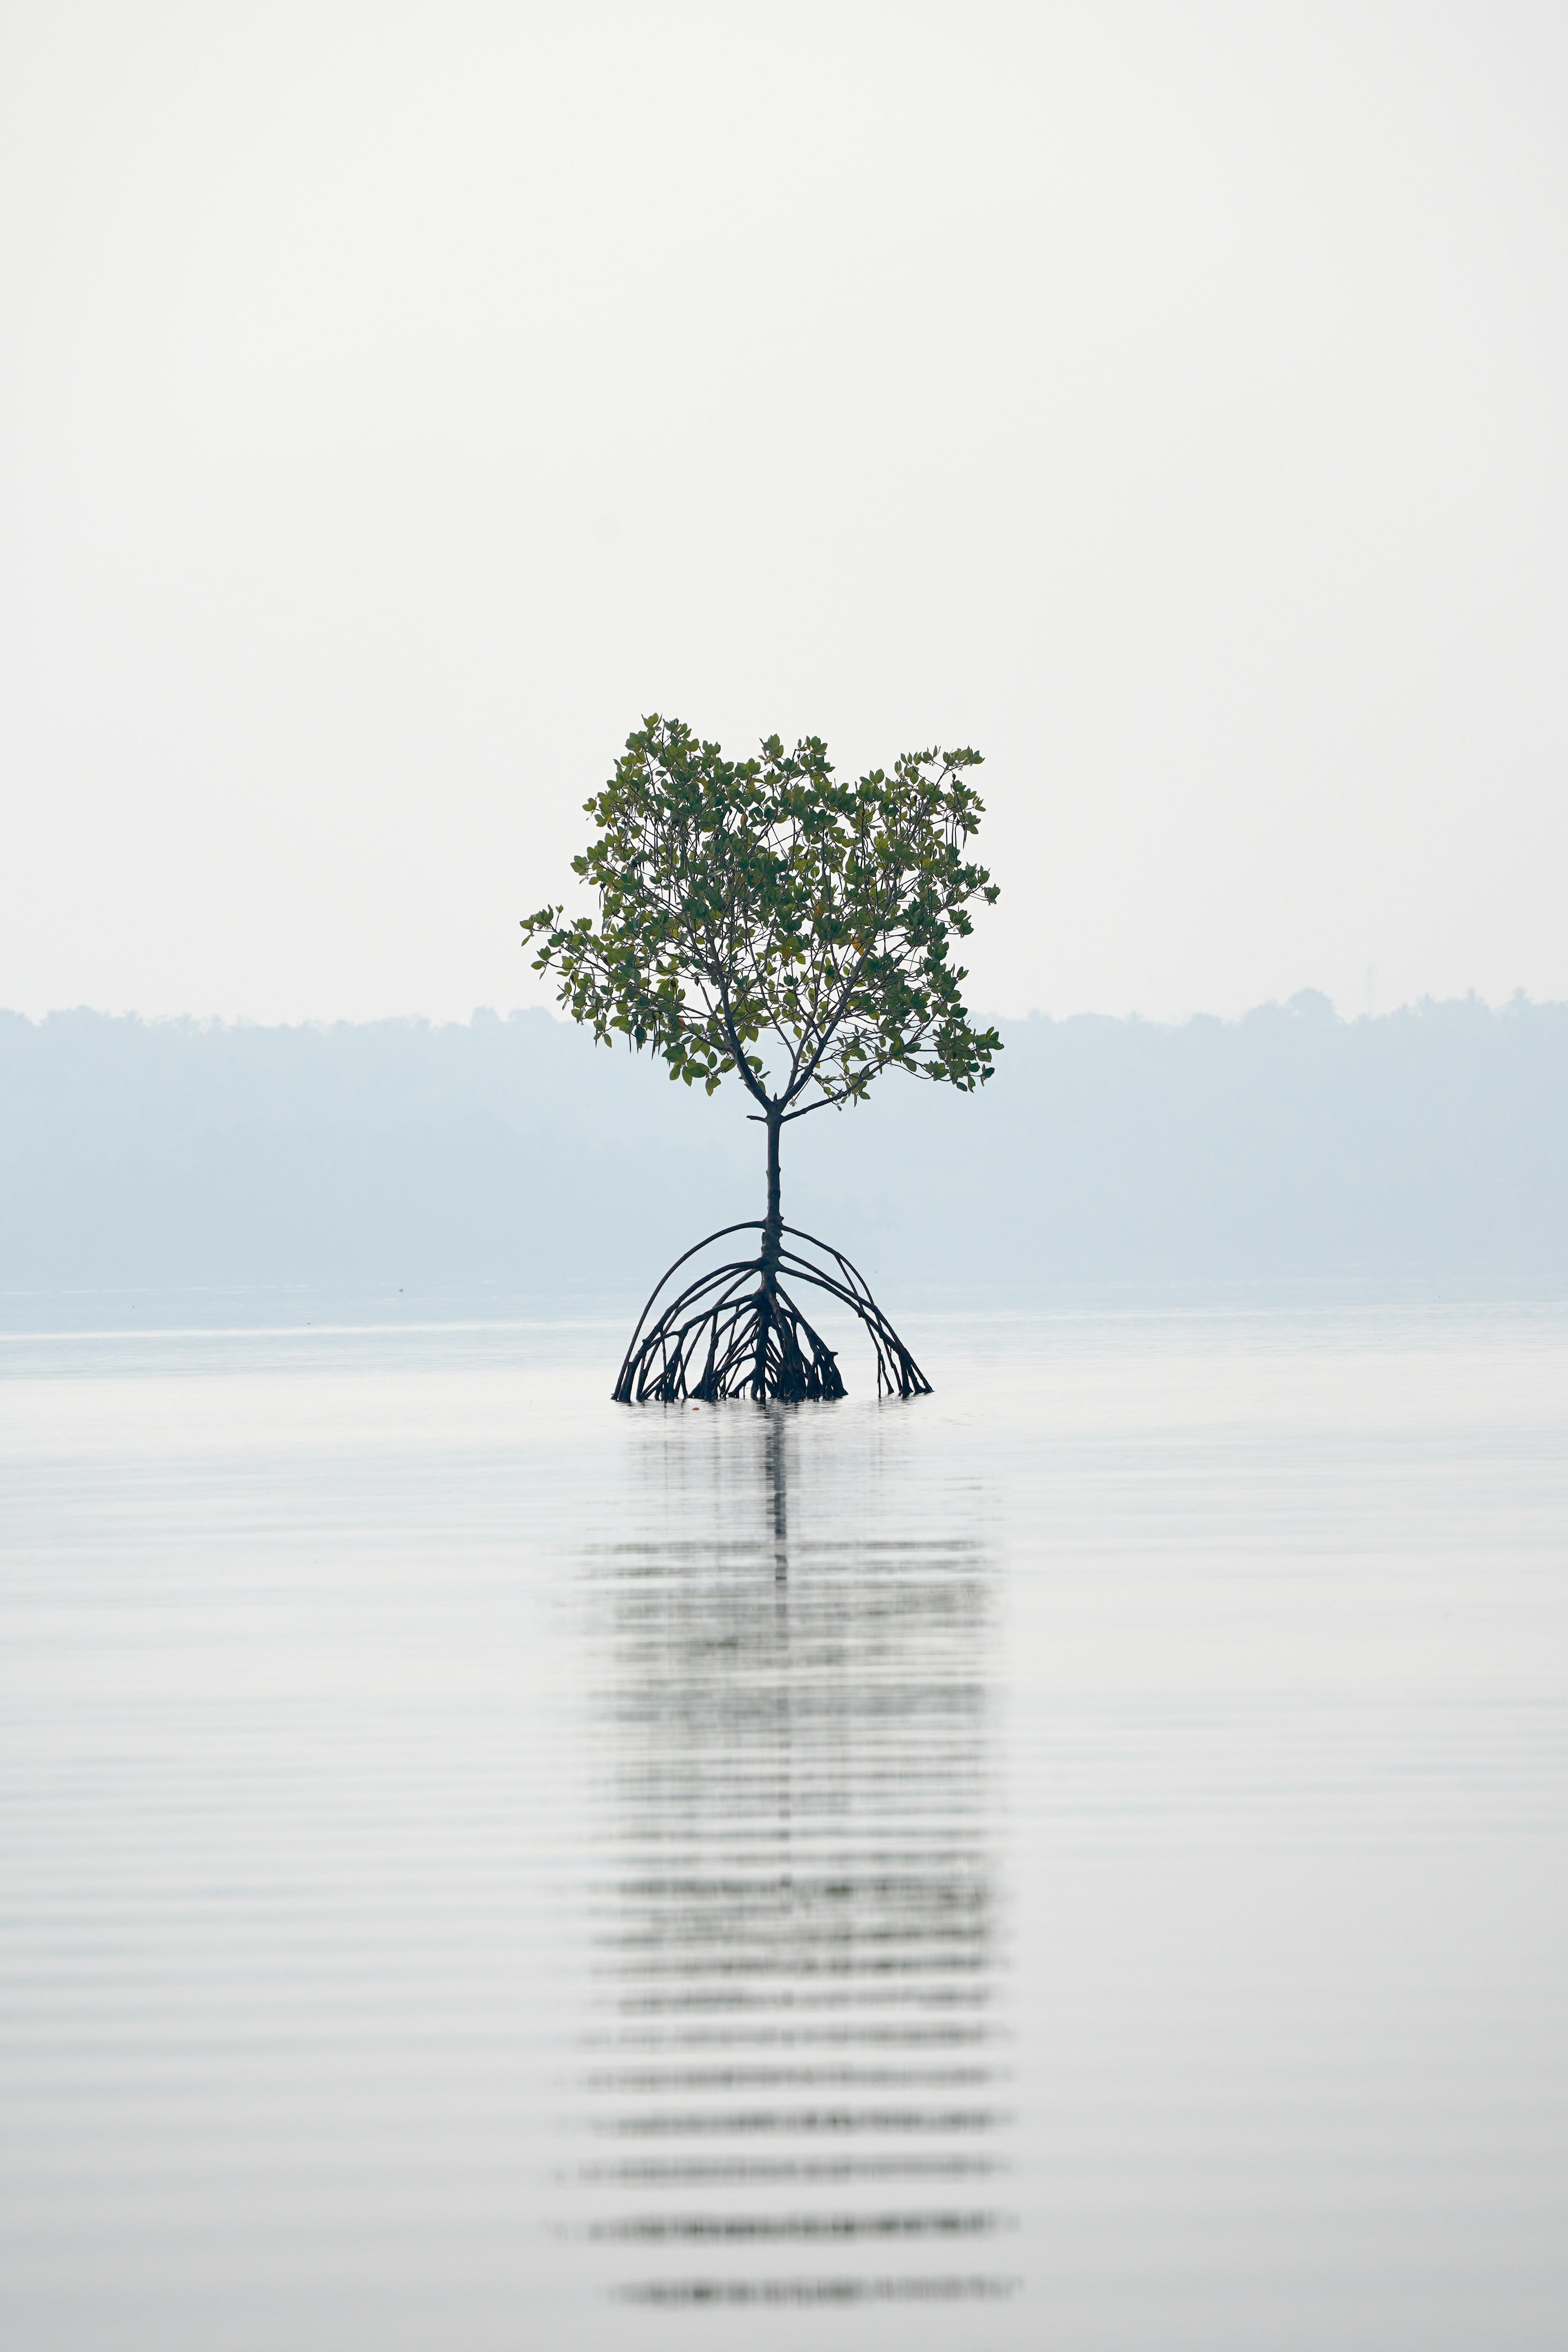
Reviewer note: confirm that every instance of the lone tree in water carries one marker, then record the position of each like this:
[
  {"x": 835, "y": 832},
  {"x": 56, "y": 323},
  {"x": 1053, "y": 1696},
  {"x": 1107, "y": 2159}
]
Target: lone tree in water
[{"x": 759, "y": 919}]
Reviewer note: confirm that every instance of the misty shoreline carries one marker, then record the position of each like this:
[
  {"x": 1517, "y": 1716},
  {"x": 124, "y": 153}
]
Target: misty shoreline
[{"x": 508, "y": 1157}]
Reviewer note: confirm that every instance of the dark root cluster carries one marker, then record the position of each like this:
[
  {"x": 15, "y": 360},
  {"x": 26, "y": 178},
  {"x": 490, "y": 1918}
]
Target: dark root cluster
[{"x": 736, "y": 1330}]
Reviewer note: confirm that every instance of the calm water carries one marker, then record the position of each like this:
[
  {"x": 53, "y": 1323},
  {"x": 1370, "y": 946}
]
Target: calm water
[{"x": 1078, "y": 1859}]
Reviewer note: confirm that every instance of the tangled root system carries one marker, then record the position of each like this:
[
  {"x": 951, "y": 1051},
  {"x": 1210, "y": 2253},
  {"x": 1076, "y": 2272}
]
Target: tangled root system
[{"x": 737, "y": 1331}]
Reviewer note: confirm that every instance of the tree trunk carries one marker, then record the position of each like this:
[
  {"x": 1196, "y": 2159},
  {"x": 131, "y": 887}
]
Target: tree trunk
[
  {"x": 772, "y": 1241},
  {"x": 772, "y": 1230}
]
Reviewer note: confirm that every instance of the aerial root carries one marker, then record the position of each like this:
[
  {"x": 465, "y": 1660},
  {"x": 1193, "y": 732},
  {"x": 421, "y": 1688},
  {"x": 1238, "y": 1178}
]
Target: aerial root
[{"x": 736, "y": 1331}]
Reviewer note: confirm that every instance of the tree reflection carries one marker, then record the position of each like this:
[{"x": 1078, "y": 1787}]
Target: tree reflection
[{"x": 798, "y": 2089}]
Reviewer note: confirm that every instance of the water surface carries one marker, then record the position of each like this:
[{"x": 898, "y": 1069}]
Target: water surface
[{"x": 1075, "y": 1858}]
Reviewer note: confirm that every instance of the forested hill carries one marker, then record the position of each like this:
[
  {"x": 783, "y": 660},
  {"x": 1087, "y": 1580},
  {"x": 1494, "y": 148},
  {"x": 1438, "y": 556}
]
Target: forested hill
[{"x": 509, "y": 1155}]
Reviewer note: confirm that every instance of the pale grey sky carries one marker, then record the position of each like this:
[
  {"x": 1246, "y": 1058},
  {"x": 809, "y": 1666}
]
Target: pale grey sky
[{"x": 398, "y": 401}]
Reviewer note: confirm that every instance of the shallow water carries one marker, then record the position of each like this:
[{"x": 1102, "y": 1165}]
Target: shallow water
[{"x": 1076, "y": 1858}]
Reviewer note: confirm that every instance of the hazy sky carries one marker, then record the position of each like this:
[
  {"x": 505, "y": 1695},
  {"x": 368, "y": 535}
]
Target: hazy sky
[{"x": 398, "y": 401}]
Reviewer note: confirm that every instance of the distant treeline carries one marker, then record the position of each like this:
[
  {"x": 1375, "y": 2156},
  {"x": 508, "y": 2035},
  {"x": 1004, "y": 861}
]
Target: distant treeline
[{"x": 1429, "y": 1144}]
